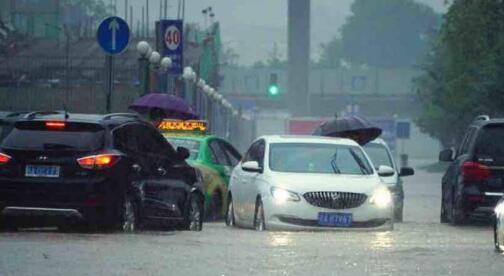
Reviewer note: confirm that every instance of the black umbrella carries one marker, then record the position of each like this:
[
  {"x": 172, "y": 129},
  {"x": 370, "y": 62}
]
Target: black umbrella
[{"x": 353, "y": 127}]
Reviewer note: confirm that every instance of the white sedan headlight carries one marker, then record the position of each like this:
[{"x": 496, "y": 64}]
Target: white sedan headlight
[
  {"x": 499, "y": 209},
  {"x": 281, "y": 195},
  {"x": 381, "y": 198}
]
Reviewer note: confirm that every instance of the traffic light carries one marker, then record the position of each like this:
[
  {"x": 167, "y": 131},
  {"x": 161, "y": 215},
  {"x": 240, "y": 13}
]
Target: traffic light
[{"x": 273, "y": 88}]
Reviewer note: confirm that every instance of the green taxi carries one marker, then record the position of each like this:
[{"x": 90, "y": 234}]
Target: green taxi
[{"x": 213, "y": 156}]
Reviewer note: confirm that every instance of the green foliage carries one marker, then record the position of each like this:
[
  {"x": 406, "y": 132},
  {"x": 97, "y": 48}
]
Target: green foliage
[
  {"x": 331, "y": 54},
  {"x": 462, "y": 76},
  {"x": 385, "y": 33},
  {"x": 95, "y": 8},
  {"x": 275, "y": 58}
]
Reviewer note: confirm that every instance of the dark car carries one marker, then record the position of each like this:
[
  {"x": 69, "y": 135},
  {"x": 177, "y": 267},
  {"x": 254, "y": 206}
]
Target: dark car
[
  {"x": 113, "y": 171},
  {"x": 474, "y": 181}
]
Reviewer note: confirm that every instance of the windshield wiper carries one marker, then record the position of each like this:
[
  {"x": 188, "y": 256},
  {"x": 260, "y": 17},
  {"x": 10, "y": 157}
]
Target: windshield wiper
[
  {"x": 57, "y": 146},
  {"x": 334, "y": 164},
  {"x": 363, "y": 168}
]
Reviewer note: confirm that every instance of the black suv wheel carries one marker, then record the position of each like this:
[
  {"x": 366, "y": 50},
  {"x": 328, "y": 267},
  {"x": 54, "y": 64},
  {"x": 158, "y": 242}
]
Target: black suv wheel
[
  {"x": 457, "y": 214},
  {"x": 128, "y": 219},
  {"x": 193, "y": 218}
]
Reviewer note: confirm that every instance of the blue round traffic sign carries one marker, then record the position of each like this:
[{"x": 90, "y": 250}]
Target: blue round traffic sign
[{"x": 113, "y": 35}]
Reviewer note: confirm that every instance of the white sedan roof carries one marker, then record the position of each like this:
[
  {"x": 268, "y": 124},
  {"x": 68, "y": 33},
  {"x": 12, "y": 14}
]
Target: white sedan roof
[{"x": 307, "y": 139}]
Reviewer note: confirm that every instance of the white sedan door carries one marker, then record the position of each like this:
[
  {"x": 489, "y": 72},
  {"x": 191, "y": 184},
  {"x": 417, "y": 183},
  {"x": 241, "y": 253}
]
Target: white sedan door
[{"x": 246, "y": 188}]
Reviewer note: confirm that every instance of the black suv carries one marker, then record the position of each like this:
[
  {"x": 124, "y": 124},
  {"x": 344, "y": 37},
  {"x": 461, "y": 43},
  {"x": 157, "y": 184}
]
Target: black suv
[
  {"x": 113, "y": 171},
  {"x": 7, "y": 120},
  {"x": 474, "y": 181}
]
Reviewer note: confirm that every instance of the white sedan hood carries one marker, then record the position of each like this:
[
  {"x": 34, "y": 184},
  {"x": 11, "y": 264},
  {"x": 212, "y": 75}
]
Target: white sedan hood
[{"x": 311, "y": 182}]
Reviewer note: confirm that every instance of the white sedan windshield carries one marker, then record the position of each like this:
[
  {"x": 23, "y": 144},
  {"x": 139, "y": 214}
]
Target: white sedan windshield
[{"x": 318, "y": 158}]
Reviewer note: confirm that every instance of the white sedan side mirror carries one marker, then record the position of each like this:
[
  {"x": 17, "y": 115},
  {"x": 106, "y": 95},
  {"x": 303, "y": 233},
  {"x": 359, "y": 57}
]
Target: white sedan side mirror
[
  {"x": 251, "y": 166},
  {"x": 385, "y": 171}
]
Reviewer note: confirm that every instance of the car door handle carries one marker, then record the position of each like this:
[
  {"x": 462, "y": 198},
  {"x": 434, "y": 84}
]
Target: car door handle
[{"x": 161, "y": 171}]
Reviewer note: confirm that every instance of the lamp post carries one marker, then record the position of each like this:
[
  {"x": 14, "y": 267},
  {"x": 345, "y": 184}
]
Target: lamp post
[
  {"x": 165, "y": 64},
  {"x": 145, "y": 51},
  {"x": 190, "y": 77},
  {"x": 154, "y": 60},
  {"x": 208, "y": 103}
]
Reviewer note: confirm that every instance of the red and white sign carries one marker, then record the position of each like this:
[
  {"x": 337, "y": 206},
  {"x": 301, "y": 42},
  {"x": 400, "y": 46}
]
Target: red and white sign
[
  {"x": 304, "y": 126},
  {"x": 172, "y": 38}
]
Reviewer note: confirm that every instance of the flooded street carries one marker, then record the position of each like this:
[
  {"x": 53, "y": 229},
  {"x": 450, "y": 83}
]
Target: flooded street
[{"x": 420, "y": 246}]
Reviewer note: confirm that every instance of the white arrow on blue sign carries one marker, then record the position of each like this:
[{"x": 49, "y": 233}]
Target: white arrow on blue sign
[{"x": 113, "y": 35}]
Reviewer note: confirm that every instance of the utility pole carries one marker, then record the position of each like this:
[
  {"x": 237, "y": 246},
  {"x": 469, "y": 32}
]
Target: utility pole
[
  {"x": 179, "y": 8},
  {"x": 126, "y": 10},
  {"x": 131, "y": 16},
  {"x": 183, "y": 9},
  {"x": 142, "y": 33},
  {"x": 165, "y": 9},
  {"x": 67, "y": 61},
  {"x": 160, "y": 9},
  {"x": 147, "y": 18},
  {"x": 298, "y": 57}
]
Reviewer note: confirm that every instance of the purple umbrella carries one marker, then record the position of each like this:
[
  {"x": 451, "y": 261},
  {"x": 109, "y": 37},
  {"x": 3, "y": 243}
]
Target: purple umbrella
[{"x": 164, "y": 105}]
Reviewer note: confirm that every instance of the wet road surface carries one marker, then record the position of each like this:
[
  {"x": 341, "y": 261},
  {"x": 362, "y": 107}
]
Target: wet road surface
[{"x": 419, "y": 246}]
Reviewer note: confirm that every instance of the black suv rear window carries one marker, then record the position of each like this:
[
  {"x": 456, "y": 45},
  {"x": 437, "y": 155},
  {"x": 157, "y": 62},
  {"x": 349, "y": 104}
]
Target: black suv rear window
[
  {"x": 489, "y": 147},
  {"x": 73, "y": 136}
]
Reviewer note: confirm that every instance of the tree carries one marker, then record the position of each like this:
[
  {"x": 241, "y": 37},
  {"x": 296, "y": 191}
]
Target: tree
[
  {"x": 387, "y": 33},
  {"x": 92, "y": 11},
  {"x": 229, "y": 56},
  {"x": 275, "y": 58},
  {"x": 462, "y": 76},
  {"x": 331, "y": 55}
]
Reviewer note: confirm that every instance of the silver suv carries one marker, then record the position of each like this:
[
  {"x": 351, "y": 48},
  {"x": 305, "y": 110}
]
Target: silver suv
[{"x": 380, "y": 155}]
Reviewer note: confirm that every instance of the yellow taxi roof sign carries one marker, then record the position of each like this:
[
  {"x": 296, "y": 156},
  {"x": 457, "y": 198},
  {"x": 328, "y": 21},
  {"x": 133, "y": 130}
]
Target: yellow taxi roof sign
[{"x": 174, "y": 125}]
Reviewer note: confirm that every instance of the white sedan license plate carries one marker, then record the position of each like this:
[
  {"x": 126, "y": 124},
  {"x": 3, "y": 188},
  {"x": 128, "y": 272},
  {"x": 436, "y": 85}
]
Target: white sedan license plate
[
  {"x": 42, "y": 171},
  {"x": 335, "y": 219}
]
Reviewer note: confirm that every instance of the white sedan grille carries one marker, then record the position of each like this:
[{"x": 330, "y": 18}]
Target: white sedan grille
[{"x": 335, "y": 200}]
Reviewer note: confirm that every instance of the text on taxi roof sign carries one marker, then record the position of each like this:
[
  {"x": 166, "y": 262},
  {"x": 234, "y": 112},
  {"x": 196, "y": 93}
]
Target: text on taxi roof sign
[{"x": 183, "y": 126}]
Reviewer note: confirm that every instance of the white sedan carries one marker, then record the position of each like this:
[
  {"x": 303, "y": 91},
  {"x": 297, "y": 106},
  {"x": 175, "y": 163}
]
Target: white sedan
[
  {"x": 499, "y": 226},
  {"x": 308, "y": 182}
]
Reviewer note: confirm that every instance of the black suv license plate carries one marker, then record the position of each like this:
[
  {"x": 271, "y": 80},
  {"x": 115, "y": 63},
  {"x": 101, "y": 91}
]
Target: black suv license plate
[{"x": 42, "y": 171}]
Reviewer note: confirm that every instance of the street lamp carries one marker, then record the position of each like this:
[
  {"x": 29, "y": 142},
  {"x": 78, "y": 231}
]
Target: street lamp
[
  {"x": 226, "y": 104},
  {"x": 211, "y": 93},
  {"x": 166, "y": 63},
  {"x": 206, "y": 89},
  {"x": 154, "y": 59},
  {"x": 189, "y": 74},
  {"x": 145, "y": 51},
  {"x": 201, "y": 83},
  {"x": 143, "y": 48},
  {"x": 193, "y": 76}
]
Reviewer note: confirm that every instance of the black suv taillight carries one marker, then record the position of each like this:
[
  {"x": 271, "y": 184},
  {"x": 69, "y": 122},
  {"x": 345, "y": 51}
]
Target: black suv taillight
[
  {"x": 475, "y": 172},
  {"x": 99, "y": 161},
  {"x": 4, "y": 158}
]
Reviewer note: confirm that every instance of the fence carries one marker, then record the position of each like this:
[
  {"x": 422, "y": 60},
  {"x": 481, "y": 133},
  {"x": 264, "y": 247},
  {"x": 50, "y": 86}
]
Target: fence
[{"x": 77, "y": 85}]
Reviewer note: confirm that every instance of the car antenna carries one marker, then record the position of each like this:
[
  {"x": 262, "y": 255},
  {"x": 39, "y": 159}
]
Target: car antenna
[{"x": 65, "y": 113}]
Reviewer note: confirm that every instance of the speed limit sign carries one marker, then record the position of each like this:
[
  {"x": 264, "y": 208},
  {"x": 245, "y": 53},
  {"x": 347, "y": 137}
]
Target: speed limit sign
[
  {"x": 172, "y": 38},
  {"x": 171, "y": 42}
]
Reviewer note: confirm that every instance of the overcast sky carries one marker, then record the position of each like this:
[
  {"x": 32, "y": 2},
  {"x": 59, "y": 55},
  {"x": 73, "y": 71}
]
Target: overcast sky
[{"x": 252, "y": 27}]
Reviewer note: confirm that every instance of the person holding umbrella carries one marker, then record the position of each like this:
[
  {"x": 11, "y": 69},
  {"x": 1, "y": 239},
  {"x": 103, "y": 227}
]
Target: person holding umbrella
[{"x": 351, "y": 127}]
